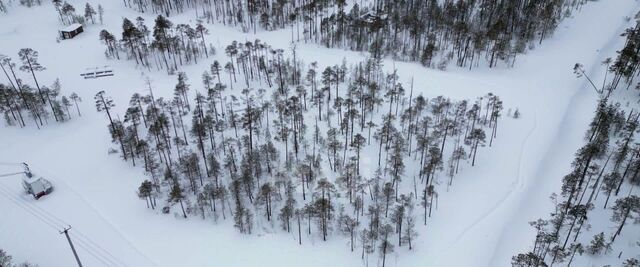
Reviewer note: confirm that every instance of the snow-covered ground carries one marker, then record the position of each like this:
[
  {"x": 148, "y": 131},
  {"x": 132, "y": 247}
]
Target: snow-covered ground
[{"x": 482, "y": 221}]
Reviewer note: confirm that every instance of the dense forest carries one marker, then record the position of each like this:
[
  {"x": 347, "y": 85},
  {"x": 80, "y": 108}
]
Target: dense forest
[
  {"x": 165, "y": 46},
  {"x": 20, "y": 102},
  {"x": 605, "y": 172},
  {"x": 66, "y": 11},
  {"x": 464, "y": 32},
  {"x": 435, "y": 33},
  {"x": 347, "y": 149}
]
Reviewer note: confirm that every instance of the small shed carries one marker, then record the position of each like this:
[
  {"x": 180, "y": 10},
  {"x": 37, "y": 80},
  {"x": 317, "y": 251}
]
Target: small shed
[
  {"x": 36, "y": 186},
  {"x": 71, "y": 31}
]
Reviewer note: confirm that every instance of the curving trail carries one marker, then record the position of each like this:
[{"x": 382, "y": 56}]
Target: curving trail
[
  {"x": 546, "y": 174},
  {"x": 514, "y": 187},
  {"x": 487, "y": 216}
]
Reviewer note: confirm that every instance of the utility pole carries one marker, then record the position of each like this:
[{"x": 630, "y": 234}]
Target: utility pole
[{"x": 66, "y": 233}]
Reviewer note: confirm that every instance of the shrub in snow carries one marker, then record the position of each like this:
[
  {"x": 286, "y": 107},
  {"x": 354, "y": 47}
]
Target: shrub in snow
[
  {"x": 631, "y": 263},
  {"x": 516, "y": 114}
]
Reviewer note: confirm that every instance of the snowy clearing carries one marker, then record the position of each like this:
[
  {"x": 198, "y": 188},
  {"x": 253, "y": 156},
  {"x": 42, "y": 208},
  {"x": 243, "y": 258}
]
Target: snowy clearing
[{"x": 481, "y": 221}]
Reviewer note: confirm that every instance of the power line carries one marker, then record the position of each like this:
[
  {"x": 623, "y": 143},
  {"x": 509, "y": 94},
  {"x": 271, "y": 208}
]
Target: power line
[
  {"x": 11, "y": 163},
  {"x": 10, "y": 174},
  {"x": 42, "y": 212},
  {"x": 95, "y": 252},
  {"x": 75, "y": 254},
  {"x": 48, "y": 223},
  {"x": 54, "y": 222},
  {"x": 34, "y": 209},
  {"x": 91, "y": 243},
  {"x": 56, "y": 219},
  {"x": 42, "y": 219},
  {"x": 79, "y": 236},
  {"x": 45, "y": 220},
  {"x": 77, "y": 232}
]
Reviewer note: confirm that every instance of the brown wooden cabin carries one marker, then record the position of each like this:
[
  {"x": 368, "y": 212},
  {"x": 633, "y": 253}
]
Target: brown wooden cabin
[{"x": 71, "y": 31}]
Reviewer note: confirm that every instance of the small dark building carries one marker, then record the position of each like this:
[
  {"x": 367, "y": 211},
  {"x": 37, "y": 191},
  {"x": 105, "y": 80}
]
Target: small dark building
[{"x": 71, "y": 31}]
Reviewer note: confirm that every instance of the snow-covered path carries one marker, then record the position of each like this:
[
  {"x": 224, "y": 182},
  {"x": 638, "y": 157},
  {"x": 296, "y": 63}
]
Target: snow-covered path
[
  {"x": 557, "y": 108},
  {"x": 546, "y": 156},
  {"x": 482, "y": 221},
  {"x": 555, "y": 162},
  {"x": 546, "y": 173}
]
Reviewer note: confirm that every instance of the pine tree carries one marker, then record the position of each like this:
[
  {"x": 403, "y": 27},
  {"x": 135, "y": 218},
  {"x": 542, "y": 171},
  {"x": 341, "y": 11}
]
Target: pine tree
[
  {"x": 625, "y": 208},
  {"x": 527, "y": 260},
  {"x": 51, "y": 95},
  {"x": 358, "y": 144},
  {"x": 176, "y": 195},
  {"x": 264, "y": 198},
  {"x": 5, "y": 259},
  {"x": 349, "y": 226},
  {"x": 89, "y": 12},
  {"x": 395, "y": 159},
  {"x": 68, "y": 12},
  {"x": 104, "y": 103},
  {"x": 288, "y": 209},
  {"x": 385, "y": 245},
  {"x": 101, "y": 14},
  {"x": 66, "y": 104},
  {"x": 146, "y": 191},
  {"x": 333, "y": 145},
  {"x": 202, "y": 30},
  {"x": 3, "y": 7},
  {"x": 182, "y": 88},
  {"x": 598, "y": 245},
  {"x": 631, "y": 262},
  {"x": 477, "y": 138},
  {"x": 162, "y": 38},
  {"x": 410, "y": 232},
  {"x": 388, "y": 193},
  {"x": 575, "y": 248},
  {"x": 29, "y": 58},
  {"x": 241, "y": 213},
  {"x": 322, "y": 207},
  {"x": 398, "y": 216}
]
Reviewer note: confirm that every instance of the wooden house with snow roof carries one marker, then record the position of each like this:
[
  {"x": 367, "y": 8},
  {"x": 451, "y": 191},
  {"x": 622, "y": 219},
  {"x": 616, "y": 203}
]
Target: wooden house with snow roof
[{"x": 71, "y": 31}]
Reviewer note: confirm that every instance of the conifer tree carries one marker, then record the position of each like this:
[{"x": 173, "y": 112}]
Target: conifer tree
[
  {"x": 89, "y": 13},
  {"x": 625, "y": 208},
  {"x": 105, "y": 103},
  {"x": 385, "y": 246},
  {"x": 145, "y": 191},
  {"x": 29, "y": 58},
  {"x": 176, "y": 195}
]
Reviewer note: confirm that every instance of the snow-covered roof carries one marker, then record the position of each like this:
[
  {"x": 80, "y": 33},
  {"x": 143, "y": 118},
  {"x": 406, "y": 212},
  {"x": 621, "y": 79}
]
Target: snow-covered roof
[
  {"x": 71, "y": 27},
  {"x": 37, "y": 183},
  {"x": 29, "y": 178}
]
